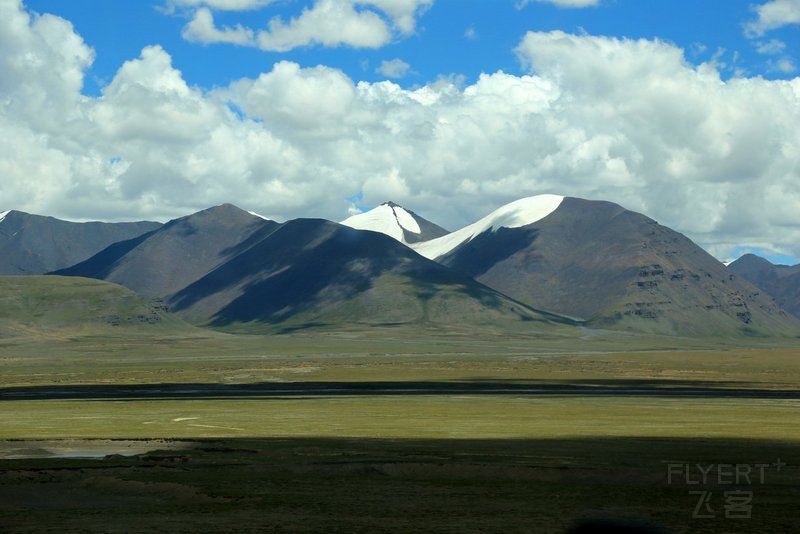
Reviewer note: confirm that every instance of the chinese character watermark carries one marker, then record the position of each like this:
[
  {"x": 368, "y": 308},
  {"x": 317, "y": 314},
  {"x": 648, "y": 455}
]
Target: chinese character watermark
[{"x": 737, "y": 503}]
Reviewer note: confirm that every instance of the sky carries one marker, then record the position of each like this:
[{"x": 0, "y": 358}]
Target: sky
[{"x": 686, "y": 111}]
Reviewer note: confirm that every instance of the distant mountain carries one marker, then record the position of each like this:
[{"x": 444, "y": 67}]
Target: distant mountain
[
  {"x": 224, "y": 267},
  {"x": 397, "y": 222},
  {"x": 33, "y": 244},
  {"x": 521, "y": 212},
  {"x": 615, "y": 268},
  {"x": 69, "y": 306},
  {"x": 312, "y": 271},
  {"x": 175, "y": 255},
  {"x": 781, "y": 282}
]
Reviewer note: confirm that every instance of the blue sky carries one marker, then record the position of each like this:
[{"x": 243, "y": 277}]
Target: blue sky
[
  {"x": 687, "y": 111},
  {"x": 708, "y": 30}
]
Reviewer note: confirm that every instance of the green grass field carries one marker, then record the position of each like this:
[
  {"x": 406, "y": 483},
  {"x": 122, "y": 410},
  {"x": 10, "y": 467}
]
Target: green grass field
[{"x": 444, "y": 462}]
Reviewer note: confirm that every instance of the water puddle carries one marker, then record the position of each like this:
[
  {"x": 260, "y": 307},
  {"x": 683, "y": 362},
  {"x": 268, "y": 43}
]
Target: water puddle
[{"x": 85, "y": 449}]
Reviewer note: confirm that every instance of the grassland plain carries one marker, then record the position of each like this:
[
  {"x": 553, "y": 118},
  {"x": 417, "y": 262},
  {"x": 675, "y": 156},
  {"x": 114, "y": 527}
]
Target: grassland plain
[{"x": 391, "y": 462}]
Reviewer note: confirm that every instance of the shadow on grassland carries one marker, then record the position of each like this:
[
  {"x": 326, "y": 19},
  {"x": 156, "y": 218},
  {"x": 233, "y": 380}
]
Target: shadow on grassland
[
  {"x": 402, "y": 485},
  {"x": 264, "y": 390}
]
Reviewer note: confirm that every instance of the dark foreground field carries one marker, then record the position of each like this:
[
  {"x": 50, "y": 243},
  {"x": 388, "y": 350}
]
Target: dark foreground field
[{"x": 404, "y": 485}]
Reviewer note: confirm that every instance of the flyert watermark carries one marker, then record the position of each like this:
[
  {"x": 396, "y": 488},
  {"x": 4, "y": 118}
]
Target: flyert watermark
[{"x": 736, "y": 503}]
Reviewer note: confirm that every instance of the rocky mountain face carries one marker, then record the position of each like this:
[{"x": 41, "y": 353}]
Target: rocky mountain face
[
  {"x": 616, "y": 268},
  {"x": 33, "y": 244},
  {"x": 781, "y": 282}
]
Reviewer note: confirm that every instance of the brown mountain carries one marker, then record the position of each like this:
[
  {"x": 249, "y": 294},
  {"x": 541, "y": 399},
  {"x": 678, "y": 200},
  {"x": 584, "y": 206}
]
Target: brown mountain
[
  {"x": 781, "y": 282},
  {"x": 33, "y": 244},
  {"x": 226, "y": 268},
  {"x": 175, "y": 255},
  {"x": 615, "y": 268}
]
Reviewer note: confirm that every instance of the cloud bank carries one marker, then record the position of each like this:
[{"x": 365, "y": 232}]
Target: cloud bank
[{"x": 594, "y": 117}]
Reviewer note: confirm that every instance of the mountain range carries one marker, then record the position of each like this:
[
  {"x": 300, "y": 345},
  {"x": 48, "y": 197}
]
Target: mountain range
[
  {"x": 540, "y": 262},
  {"x": 225, "y": 267},
  {"x": 33, "y": 244},
  {"x": 609, "y": 266},
  {"x": 781, "y": 282}
]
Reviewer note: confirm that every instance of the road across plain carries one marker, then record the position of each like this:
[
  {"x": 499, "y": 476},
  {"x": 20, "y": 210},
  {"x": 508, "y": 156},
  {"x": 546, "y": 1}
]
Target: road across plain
[{"x": 625, "y": 388}]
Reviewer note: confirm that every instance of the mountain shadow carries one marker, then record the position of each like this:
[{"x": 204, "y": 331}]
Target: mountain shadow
[
  {"x": 312, "y": 270},
  {"x": 177, "y": 254},
  {"x": 33, "y": 244},
  {"x": 619, "y": 269}
]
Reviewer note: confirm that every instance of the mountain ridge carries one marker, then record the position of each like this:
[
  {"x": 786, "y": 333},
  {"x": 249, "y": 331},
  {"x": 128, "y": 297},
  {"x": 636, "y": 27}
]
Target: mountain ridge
[
  {"x": 37, "y": 244},
  {"x": 223, "y": 267},
  {"x": 574, "y": 259},
  {"x": 781, "y": 282},
  {"x": 174, "y": 255},
  {"x": 617, "y": 269}
]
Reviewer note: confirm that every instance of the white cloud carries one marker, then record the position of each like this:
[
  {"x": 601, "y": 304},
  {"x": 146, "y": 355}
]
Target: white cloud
[
  {"x": 330, "y": 23},
  {"x": 621, "y": 120},
  {"x": 394, "y": 68},
  {"x": 771, "y": 47},
  {"x": 706, "y": 156},
  {"x": 201, "y": 29},
  {"x": 42, "y": 62},
  {"x": 308, "y": 102},
  {"x": 470, "y": 33},
  {"x": 772, "y": 15},
  {"x": 560, "y": 3},
  {"x": 784, "y": 65},
  {"x": 403, "y": 13}
]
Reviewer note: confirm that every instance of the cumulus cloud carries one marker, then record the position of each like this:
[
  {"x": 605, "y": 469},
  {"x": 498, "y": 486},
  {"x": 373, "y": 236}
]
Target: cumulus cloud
[
  {"x": 330, "y": 23},
  {"x": 773, "y": 15},
  {"x": 695, "y": 148},
  {"x": 623, "y": 120},
  {"x": 394, "y": 68},
  {"x": 201, "y": 29},
  {"x": 560, "y": 3}
]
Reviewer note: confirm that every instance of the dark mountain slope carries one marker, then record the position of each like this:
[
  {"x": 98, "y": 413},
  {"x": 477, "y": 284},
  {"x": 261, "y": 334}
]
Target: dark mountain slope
[
  {"x": 781, "y": 282},
  {"x": 33, "y": 244},
  {"x": 617, "y": 268},
  {"x": 316, "y": 271},
  {"x": 175, "y": 255}
]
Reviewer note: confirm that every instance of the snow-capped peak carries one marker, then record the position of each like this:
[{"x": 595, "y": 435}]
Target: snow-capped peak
[
  {"x": 518, "y": 213},
  {"x": 259, "y": 215},
  {"x": 3, "y": 214},
  {"x": 388, "y": 218}
]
